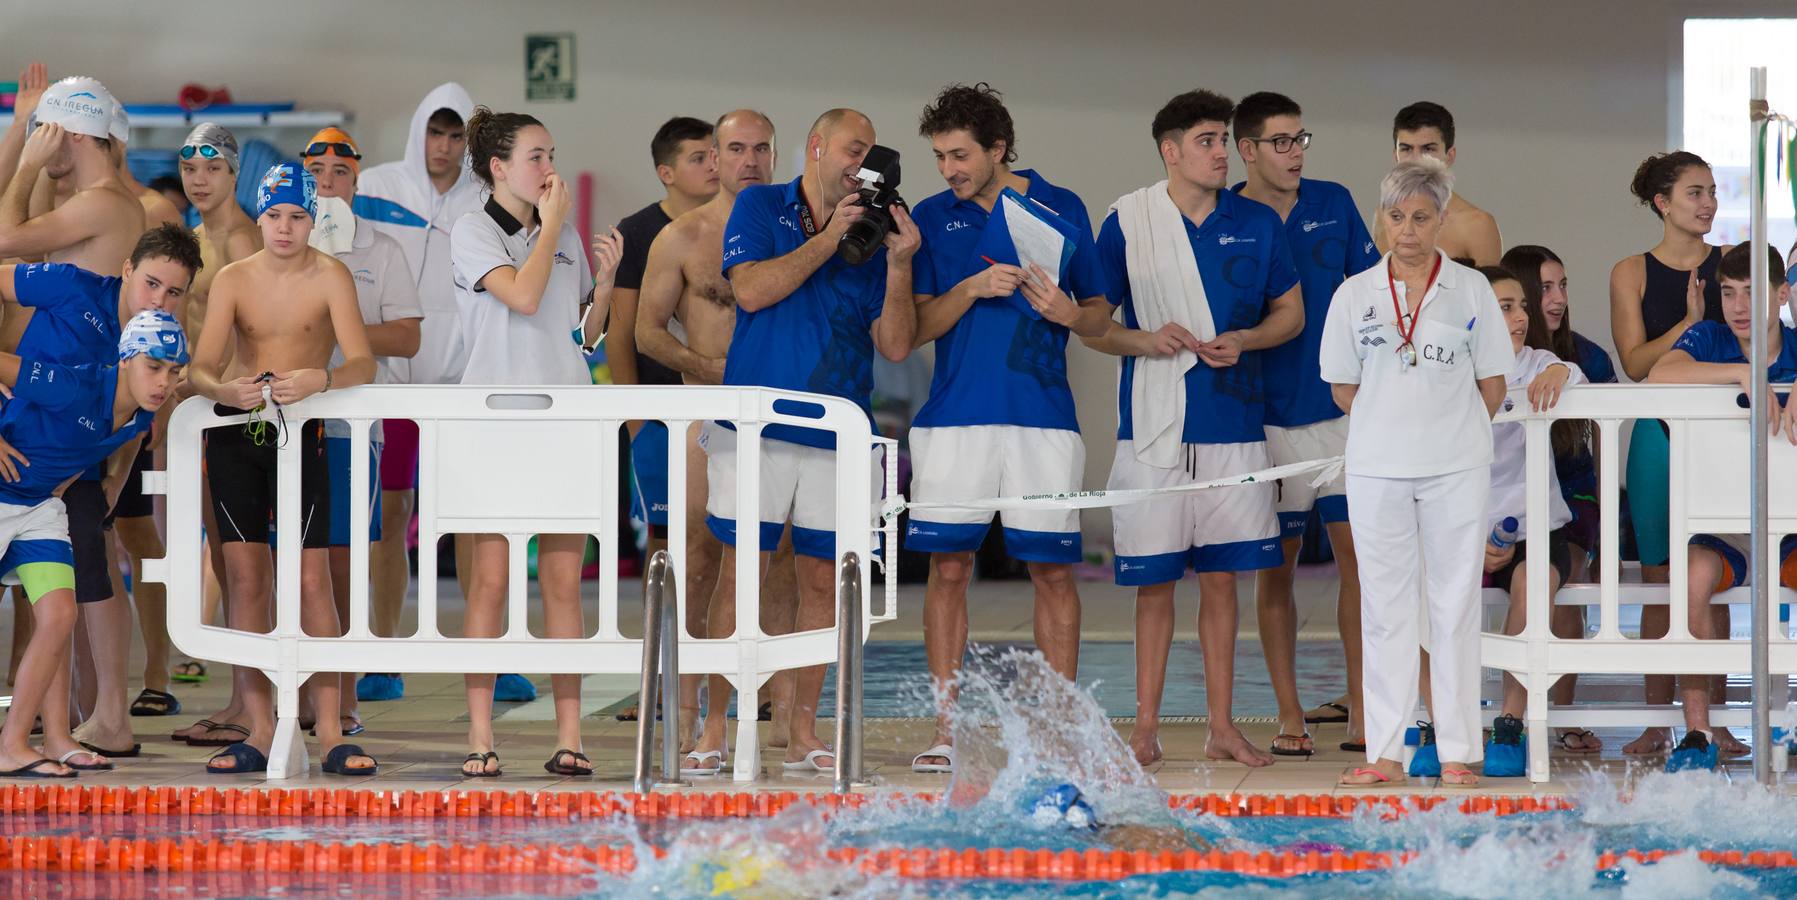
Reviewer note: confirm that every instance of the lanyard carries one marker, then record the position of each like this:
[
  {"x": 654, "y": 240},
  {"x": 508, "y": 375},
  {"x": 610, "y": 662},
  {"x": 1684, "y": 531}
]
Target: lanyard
[
  {"x": 1407, "y": 350},
  {"x": 805, "y": 221}
]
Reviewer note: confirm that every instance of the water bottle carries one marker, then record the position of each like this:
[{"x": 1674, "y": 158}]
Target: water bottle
[{"x": 1505, "y": 533}]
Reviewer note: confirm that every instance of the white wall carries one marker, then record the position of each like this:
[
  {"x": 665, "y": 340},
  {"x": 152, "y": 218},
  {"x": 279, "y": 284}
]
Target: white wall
[{"x": 1556, "y": 101}]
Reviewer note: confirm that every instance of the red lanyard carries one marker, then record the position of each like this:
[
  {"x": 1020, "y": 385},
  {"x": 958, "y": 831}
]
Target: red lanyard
[{"x": 1398, "y": 307}]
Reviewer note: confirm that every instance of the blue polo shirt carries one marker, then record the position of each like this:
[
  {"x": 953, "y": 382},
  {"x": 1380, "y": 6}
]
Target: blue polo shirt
[
  {"x": 1710, "y": 341},
  {"x": 77, "y": 314},
  {"x": 1245, "y": 262},
  {"x": 1329, "y": 242},
  {"x": 818, "y": 338},
  {"x": 1001, "y": 363},
  {"x": 60, "y": 418}
]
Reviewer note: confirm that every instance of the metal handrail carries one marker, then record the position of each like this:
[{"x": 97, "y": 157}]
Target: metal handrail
[
  {"x": 661, "y": 644},
  {"x": 848, "y": 675}
]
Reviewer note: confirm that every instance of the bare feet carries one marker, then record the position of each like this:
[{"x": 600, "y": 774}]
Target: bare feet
[
  {"x": 1458, "y": 775},
  {"x": 1651, "y": 742},
  {"x": 1727, "y": 744},
  {"x": 689, "y": 727},
  {"x": 1146, "y": 742},
  {"x": 1228, "y": 743},
  {"x": 89, "y": 732},
  {"x": 1382, "y": 772},
  {"x": 13, "y": 761}
]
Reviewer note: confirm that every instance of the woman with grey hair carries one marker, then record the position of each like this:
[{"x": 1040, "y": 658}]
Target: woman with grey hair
[{"x": 1416, "y": 352}]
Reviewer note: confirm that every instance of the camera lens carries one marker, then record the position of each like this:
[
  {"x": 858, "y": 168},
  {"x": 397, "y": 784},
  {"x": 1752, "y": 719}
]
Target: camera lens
[{"x": 865, "y": 236}]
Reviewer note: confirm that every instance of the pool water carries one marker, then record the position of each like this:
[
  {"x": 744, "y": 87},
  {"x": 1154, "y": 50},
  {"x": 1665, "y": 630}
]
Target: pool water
[{"x": 1018, "y": 729}]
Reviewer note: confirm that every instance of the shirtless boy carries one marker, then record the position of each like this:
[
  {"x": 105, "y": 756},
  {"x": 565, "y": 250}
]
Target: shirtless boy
[
  {"x": 1468, "y": 232},
  {"x": 287, "y": 307}
]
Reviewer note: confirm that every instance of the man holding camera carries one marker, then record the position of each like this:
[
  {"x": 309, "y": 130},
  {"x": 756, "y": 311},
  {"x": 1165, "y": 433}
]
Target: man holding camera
[
  {"x": 1000, "y": 419},
  {"x": 807, "y": 320}
]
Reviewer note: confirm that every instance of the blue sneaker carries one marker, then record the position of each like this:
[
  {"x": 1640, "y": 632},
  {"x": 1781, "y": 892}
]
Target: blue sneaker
[
  {"x": 1507, "y": 753},
  {"x": 374, "y": 688},
  {"x": 1695, "y": 752},
  {"x": 514, "y": 689},
  {"x": 1426, "y": 761}
]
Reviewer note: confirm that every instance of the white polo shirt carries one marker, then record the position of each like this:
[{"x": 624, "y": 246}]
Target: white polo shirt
[
  {"x": 1424, "y": 420},
  {"x": 505, "y": 346},
  {"x": 385, "y": 292},
  {"x": 1510, "y": 440}
]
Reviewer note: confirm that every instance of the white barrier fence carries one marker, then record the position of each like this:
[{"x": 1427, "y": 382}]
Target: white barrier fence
[
  {"x": 517, "y": 461},
  {"x": 1709, "y": 494}
]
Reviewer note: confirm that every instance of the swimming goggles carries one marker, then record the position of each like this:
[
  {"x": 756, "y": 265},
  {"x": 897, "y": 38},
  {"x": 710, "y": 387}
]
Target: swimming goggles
[
  {"x": 335, "y": 148},
  {"x": 205, "y": 150}
]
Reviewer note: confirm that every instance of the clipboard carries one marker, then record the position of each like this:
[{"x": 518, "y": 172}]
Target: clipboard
[{"x": 1024, "y": 229}]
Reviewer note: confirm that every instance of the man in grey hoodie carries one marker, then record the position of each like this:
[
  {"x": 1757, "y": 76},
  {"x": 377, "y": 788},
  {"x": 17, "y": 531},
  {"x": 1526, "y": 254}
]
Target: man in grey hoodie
[{"x": 416, "y": 201}]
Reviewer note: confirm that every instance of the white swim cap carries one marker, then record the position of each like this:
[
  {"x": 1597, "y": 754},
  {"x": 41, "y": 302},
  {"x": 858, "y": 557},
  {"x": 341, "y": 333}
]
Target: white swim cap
[{"x": 81, "y": 105}]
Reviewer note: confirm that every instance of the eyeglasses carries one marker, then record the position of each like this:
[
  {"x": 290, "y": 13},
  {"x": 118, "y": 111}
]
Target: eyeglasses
[
  {"x": 1282, "y": 143},
  {"x": 206, "y": 150},
  {"x": 337, "y": 148}
]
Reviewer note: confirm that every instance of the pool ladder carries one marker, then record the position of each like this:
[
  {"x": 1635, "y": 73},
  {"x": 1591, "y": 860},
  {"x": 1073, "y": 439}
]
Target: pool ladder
[{"x": 661, "y": 646}]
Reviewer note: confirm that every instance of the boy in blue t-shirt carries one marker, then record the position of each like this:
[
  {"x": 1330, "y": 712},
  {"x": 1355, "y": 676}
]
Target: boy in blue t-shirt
[
  {"x": 60, "y": 421},
  {"x": 1206, "y": 281},
  {"x": 1711, "y": 352},
  {"x": 1329, "y": 242},
  {"x": 74, "y": 317},
  {"x": 1000, "y": 420}
]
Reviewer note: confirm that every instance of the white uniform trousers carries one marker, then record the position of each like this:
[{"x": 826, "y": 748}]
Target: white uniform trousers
[{"x": 1397, "y": 524}]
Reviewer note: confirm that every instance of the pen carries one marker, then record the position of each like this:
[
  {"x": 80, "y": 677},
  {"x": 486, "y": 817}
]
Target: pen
[{"x": 989, "y": 260}]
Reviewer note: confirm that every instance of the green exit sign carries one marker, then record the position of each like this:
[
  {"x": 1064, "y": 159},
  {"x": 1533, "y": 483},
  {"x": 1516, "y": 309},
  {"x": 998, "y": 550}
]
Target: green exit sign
[{"x": 549, "y": 66}]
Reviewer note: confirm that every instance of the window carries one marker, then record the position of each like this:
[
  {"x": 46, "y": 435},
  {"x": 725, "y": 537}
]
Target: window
[{"x": 1718, "y": 53}]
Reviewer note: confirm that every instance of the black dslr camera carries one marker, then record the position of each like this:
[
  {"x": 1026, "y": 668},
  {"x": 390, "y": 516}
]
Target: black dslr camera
[{"x": 879, "y": 191}]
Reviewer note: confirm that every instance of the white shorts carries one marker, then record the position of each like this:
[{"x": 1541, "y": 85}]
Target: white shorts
[
  {"x": 798, "y": 484},
  {"x": 977, "y": 462},
  {"x": 36, "y": 534},
  {"x": 1229, "y": 529},
  {"x": 1318, "y": 440}
]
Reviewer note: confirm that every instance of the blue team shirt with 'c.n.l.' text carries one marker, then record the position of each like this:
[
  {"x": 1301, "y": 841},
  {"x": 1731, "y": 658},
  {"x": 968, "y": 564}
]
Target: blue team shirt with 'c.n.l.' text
[
  {"x": 819, "y": 338},
  {"x": 60, "y": 418},
  {"x": 1245, "y": 262},
  {"x": 1001, "y": 363}
]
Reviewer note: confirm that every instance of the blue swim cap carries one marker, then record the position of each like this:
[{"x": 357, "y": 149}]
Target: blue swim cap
[
  {"x": 287, "y": 183},
  {"x": 155, "y": 334}
]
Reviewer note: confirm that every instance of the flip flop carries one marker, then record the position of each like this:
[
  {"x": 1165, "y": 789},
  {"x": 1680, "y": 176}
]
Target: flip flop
[
  {"x": 943, "y": 750},
  {"x": 483, "y": 759},
  {"x": 555, "y": 766},
  {"x": 30, "y": 770},
  {"x": 335, "y": 762},
  {"x": 1354, "y": 746},
  {"x": 135, "y": 751},
  {"x": 764, "y": 712},
  {"x": 703, "y": 757},
  {"x": 196, "y": 675},
  {"x": 155, "y": 703},
  {"x": 1300, "y": 738},
  {"x": 1459, "y": 773},
  {"x": 219, "y": 741},
  {"x": 248, "y": 760},
  {"x": 1361, "y": 772},
  {"x": 203, "y": 725},
  {"x": 809, "y": 763},
  {"x": 351, "y": 731},
  {"x": 1315, "y": 718},
  {"x": 91, "y": 767},
  {"x": 1580, "y": 734}
]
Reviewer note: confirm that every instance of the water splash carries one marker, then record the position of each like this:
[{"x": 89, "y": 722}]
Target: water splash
[{"x": 1019, "y": 725}]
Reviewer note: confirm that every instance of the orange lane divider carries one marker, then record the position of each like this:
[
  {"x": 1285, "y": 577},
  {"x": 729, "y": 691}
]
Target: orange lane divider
[
  {"x": 70, "y": 854},
  {"x": 331, "y": 803}
]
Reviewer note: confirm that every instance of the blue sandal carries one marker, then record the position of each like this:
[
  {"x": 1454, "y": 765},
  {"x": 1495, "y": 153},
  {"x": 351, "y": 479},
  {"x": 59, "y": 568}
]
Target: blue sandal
[
  {"x": 334, "y": 761},
  {"x": 246, "y": 759}
]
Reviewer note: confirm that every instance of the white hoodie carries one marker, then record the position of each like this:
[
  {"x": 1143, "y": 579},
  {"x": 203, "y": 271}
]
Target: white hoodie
[{"x": 403, "y": 203}]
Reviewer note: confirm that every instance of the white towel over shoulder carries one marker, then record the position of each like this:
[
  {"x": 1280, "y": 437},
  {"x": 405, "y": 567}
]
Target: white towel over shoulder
[{"x": 1165, "y": 287}]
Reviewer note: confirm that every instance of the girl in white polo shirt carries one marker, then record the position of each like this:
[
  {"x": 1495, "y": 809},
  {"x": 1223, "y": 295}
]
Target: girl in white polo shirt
[
  {"x": 521, "y": 277},
  {"x": 1416, "y": 352}
]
